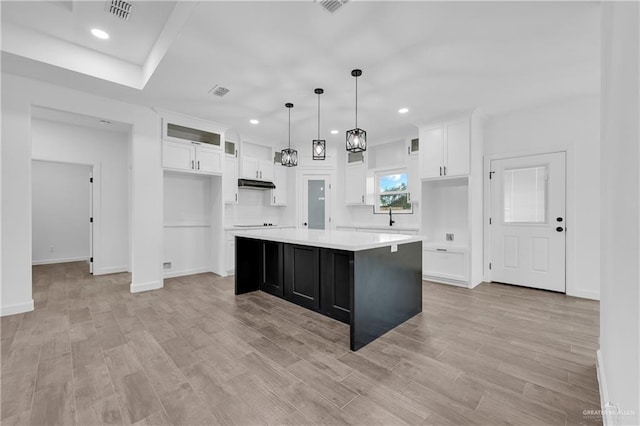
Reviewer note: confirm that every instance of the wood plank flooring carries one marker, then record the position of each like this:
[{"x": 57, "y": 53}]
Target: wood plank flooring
[{"x": 193, "y": 354}]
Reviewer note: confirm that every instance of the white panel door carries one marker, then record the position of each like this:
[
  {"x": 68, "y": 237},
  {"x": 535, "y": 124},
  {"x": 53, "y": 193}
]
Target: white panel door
[
  {"x": 457, "y": 148},
  {"x": 178, "y": 155},
  {"x": 208, "y": 160},
  {"x": 431, "y": 152},
  {"x": 528, "y": 221}
]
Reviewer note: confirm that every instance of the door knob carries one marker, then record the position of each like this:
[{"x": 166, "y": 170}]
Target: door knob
[
  {"x": 305, "y": 223},
  {"x": 559, "y": 219},
  {"x": 559, "y": 229}
]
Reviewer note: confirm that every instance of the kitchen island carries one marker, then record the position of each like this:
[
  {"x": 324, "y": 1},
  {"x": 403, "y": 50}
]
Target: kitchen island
[{"x": 373, "y": 282}]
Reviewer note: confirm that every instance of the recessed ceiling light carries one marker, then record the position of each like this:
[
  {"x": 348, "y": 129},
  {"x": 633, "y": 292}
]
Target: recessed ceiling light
[
  {"x": 334, "y": 132},
  {"x": 403, "y": 110},
  {"x": 103, "y": 35},
  {"x": 254, "y": 121}
]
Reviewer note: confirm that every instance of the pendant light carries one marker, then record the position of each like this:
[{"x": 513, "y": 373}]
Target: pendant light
[
  {"x": 319, "y": 145},
  {"x": 289, "y": 156},
  {"x": 356, "y": 138}
]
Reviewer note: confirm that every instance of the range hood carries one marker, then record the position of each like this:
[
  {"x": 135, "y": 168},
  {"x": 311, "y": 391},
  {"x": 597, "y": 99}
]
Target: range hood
[{"x": 255, "y": 184}]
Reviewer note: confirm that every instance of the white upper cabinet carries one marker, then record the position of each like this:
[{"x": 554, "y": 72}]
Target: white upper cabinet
[
  {"x": 355, "y": 184},
  {"x": 445, "y": 149},
  {"x": 458, "y": 140},
  {"x": 279, "y": 194},
  {"x": 265, "y": 170},
  {"x": 230, "y": 179},
  {"x": 249, "y": 169},
  {"x": 415, "y": 184},
  {"x": 208, "y": 159},
  {"x": 178, "y": 155}
]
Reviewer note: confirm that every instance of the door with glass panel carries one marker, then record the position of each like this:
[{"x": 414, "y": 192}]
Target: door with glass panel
[
  {"x": 527, "y": 222},
  {"x": 315, "y": 201}
]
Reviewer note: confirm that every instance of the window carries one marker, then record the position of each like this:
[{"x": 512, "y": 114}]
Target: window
[
  {"x": 525, "y": 195},
  {"x": 391, "y": 192}
]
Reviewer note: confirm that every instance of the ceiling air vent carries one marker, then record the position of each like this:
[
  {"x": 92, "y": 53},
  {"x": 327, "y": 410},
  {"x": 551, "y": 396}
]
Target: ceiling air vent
[
  {"x": 120, "y": 9},
  {"x": 332, "y": 5},
  {"x": 218, "y": 90}
]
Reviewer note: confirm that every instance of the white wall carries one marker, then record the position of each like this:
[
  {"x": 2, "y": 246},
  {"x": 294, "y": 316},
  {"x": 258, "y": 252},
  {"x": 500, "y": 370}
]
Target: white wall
[
  {"x": 572, "y": 126},
  {"x": 619, "y": 355},
  {"x": 60, "y": 212},
  {"x": 107, "y": 152},
  {"x": 187, "y": 223},
  {"x": 254, "y": 208},
  {"x": 18, "y": 96}
]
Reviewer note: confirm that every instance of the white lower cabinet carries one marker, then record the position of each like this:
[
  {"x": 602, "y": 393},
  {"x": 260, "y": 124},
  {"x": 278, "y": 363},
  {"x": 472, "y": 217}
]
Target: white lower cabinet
[
  {"x": 231, "y": 254},
  {"x": 446, "y": 264}
]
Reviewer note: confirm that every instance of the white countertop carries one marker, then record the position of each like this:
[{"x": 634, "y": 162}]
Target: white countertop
[
  {"x": 381, "y": 227},
  {"x": 248, "y": 228},
  {"x": 339, "y": 240}
]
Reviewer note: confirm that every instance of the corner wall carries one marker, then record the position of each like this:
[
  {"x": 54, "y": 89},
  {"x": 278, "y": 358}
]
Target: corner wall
[
  {"x": 573, "y": 126},
  {"x": 18, "y": 95},
  {"x": 619, "y": 355}
]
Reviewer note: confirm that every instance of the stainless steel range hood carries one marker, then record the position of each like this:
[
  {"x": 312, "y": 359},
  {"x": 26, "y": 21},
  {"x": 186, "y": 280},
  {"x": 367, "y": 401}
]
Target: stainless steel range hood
[{"x": 255, "y": 184}]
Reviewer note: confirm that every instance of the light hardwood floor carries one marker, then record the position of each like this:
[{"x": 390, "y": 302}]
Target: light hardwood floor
[{"x": 193, "y": 353}]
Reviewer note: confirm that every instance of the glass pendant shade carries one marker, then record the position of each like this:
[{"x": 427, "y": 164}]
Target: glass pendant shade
[
  {"x": 356, "y": 138},
  {"x": 319, "y": 149},
  {"x": 319, "y": 145},
  {"x": 289, "y": 156}
]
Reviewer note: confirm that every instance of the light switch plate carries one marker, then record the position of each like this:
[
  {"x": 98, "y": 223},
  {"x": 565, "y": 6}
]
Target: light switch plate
[{"x": 394, "y": 248}]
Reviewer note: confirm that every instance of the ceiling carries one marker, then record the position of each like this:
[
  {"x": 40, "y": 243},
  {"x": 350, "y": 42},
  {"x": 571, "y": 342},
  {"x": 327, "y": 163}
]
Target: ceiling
[{"x": 435, "y": 58}]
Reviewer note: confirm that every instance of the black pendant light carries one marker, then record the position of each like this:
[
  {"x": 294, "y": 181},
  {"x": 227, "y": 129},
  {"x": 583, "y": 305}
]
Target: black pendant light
[
  {"x": 319, "y": 145},
  {"x": 356, "y": 138},
  {"x": 289, "y": 156}
]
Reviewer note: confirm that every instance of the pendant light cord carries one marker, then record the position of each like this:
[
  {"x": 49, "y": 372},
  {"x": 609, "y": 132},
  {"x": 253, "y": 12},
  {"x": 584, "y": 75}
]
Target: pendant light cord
[
  {"x": 318, "y": 116},
  {"x": 289, "y": 128},
  {"x": 356, "y": 102}
]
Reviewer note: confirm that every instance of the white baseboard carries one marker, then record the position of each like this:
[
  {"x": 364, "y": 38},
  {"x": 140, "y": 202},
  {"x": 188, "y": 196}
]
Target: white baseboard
[
  {"x": 153, "y": 285},
  {"x": 18, "y": 308},
  {"x": 585, "y": 294},
  {"x": 110, "y": 270},
  {"x": 184, "y": 272},
  {"x": 441, "y": 280},
  {"x": 64, "y": 260},
  {"x": 608, "y": 414}
]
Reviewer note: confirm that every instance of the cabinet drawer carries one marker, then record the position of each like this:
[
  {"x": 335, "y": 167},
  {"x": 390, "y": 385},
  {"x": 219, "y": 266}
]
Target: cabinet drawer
[{"x": 445, "y": 264}]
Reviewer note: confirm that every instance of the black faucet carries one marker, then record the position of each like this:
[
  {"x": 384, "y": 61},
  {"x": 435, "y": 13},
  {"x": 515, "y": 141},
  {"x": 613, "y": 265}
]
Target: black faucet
[{"x": 391, "y": 221}]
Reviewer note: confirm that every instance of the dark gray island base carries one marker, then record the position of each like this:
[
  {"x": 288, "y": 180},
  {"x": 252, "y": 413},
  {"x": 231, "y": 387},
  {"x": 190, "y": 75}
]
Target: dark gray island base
[{"x": 373, "y": 289}]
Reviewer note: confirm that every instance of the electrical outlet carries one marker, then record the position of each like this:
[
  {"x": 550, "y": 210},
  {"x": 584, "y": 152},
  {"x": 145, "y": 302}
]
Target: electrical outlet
[
  {"x": 166, "y": 265},
  {"x": 449, "y": 237}
]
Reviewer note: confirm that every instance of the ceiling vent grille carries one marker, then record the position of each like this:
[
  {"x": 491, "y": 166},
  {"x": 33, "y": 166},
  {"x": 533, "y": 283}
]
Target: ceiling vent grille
[
  {"x": 120, "y": 9},
  {"x": 332, "y": 5},
  {"x": 218, "y": 91}
]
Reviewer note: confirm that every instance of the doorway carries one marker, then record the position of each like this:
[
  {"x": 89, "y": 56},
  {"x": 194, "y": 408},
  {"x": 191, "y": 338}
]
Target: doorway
[
  {"x": 528, "y": 221},
  {"x": 62, "y": 213},
  {"x": 315, "y": 203}
]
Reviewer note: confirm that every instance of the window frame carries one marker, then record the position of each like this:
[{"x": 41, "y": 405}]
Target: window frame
[{"x": 377, "y": 175}]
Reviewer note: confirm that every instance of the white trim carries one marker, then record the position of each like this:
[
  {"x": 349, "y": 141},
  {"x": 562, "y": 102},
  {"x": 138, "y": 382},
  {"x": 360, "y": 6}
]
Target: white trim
[
  {"x": 184, "y": 272},
  {"x": 18, "y": 308},
  {"x": 152, "y": 285},
  {"x": 110, "y": 270},
  {"x": 570, "y": 271},
  {"x": 443, "y": 280},
  {"x": 63, "y": 260},
  {"x": 607, "y": 414}
]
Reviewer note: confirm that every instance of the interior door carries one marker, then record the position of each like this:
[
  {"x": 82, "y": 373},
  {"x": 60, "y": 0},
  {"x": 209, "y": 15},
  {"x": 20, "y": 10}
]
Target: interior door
[
  {"x": 528, "y": 221},
  {"x": 315, "y": 201},
  {"x": 91, "y": 222}
]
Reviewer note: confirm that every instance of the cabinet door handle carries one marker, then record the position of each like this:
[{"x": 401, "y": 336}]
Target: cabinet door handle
[
  {"x": 256, "y": 174},
  {"x": 260, "y": 175},
  {"x": 192, "y": 165},
  {"x": 363, "y": 198},
  {"x": 441, "y": 249},
  {"x": 236, "y": 196},
  {"x": 440, "y": 170},
  {"x": 198, "y": 164},
  {"x": 274, "y": 199},
  {"x": 445, "y": 170},
  {"x": 408, "y": 196},
  {"x": 408, "y": 150}
]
